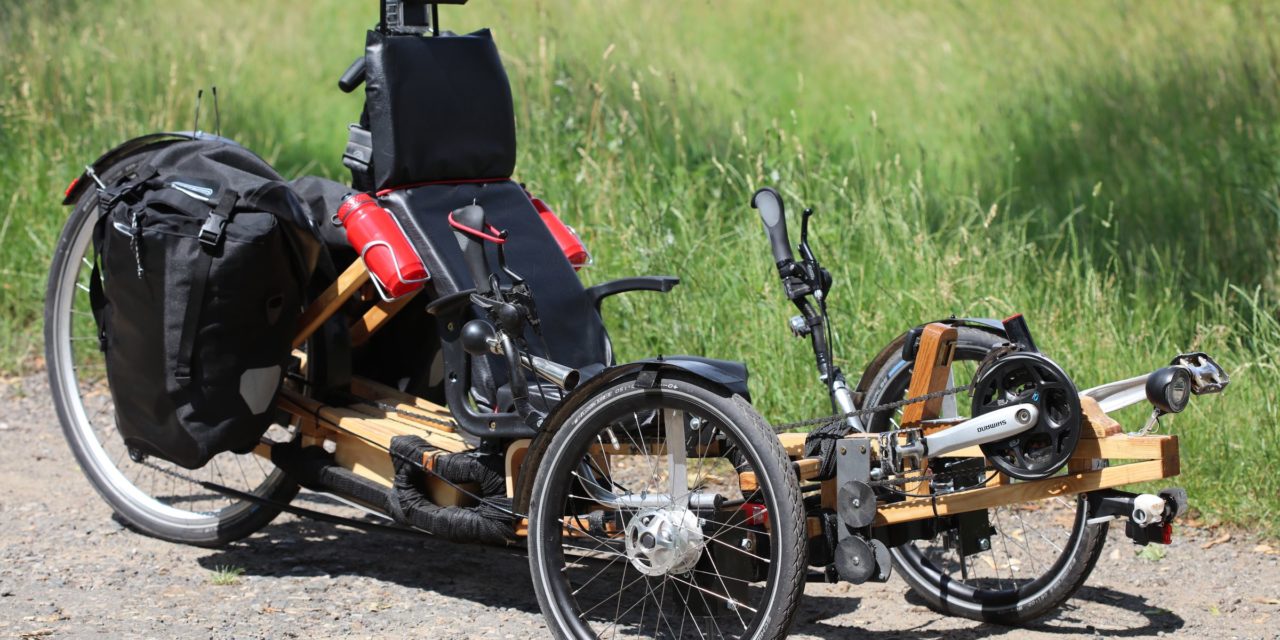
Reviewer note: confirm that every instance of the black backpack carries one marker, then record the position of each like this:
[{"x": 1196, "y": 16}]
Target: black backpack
[{"x": 203, "y": 256}]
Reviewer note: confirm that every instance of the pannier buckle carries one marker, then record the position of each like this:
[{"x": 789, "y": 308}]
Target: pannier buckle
[{"x": 211, "y": 232}]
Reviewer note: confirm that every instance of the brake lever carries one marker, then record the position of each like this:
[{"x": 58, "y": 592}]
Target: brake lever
[{"x": 817, "y": 277}]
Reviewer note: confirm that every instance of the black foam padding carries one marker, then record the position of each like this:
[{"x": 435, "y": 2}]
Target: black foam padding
[
  {"x": 439, "y": 108},
  {"x": 489, "y": 522}
]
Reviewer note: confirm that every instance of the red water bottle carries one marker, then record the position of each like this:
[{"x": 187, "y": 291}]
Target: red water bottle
[
  {"x": 395, "y": 268},
  {"x": 574, "y": 251}
]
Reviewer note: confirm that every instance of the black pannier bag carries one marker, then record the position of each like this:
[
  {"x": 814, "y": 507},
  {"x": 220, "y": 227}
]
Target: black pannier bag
[
  {"x": 202, "y": 262},
  {"x": 438, "y": 108}
]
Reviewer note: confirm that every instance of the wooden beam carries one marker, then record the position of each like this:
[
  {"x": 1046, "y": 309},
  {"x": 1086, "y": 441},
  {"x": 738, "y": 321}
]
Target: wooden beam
[
  {"x": 793, "y": 444},
  {"x": 805, "y": 468},
  {"x": 988, "y": 497},
  {"x": 930, "y": 372},
  {"x": 377, "y": 317},
  {"x": 328, "y": 303},
  {"x": 516, "y": 452},
  {"x": 1118, "y": 447},
  {"x": 1126, "y": 447},
  {"x": 1097, "y": 424},
  {"x": 377, "y": 431},
  {"x": 410, "y": 406}
]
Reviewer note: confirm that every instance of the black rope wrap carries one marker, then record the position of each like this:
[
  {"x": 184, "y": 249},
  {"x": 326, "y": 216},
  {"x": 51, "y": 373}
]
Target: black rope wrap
[{"x": 487, "y": 523}]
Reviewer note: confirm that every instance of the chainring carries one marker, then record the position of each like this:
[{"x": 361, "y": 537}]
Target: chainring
[{"x": 1026, "y": 376}]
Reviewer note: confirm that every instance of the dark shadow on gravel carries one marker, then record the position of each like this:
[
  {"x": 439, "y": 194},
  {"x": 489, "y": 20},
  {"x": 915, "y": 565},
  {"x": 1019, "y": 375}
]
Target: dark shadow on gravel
[
  {"x": 497, "y": 577},
  {"x": 1067, "y": 620},
  {"x": 488, "y": 576}
]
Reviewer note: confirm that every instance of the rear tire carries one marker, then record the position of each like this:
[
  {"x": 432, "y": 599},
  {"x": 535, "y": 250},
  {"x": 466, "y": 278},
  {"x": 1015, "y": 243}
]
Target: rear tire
[
  {"x": 146, "y": 495},
  {"x": 926, "y": 565}
]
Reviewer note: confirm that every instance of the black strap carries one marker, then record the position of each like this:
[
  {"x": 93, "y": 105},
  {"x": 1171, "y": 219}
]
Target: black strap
[
  {"x": 211, "y": 235},
  {"x": 98, "y": 303},
  {"x": 110, "y": 196}
]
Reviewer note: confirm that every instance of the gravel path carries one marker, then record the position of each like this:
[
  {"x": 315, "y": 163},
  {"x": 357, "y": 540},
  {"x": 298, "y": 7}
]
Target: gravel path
[{"x": 67, "y": 569}]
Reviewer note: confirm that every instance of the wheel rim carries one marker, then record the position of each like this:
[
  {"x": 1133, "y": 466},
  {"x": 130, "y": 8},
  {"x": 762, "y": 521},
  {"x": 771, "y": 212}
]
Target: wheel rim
[
  {"x": 613, "y": 574},
  {"x": 159, "y": 489},
  {"x": 1028, "y": 549}
]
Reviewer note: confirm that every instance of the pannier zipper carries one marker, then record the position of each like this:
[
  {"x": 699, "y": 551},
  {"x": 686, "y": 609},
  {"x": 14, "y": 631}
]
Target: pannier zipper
[{"x": 135, "y": 239}]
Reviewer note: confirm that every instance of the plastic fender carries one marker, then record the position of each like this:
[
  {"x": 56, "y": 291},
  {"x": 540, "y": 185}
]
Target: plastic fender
[
  {"x": 127, "y": 148},
  {"x": 728, "y": 375},
  {"x": 989, "y": 325}
]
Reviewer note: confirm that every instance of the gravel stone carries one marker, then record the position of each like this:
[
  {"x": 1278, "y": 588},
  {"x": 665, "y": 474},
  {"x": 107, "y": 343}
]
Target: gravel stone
[{"x": 68, "y": 570}]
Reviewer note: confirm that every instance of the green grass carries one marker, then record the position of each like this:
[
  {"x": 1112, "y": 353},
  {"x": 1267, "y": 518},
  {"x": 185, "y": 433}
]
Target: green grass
[
  {"x": 225, "y": 575},
  {"x": 1110, "y": 170}
]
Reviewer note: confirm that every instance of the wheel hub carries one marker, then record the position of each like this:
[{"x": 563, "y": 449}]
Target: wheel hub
[{"x": 664, "y": 540}]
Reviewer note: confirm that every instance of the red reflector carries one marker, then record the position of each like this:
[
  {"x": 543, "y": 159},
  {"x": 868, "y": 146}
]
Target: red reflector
[
  {"x": 756, "y": 513},
  {"x": 71, "y": 187},
  {"x": 1166, "y": 535}
]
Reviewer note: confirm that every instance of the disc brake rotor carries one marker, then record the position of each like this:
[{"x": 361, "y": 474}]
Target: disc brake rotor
[{"x": 1042, "y": 450}]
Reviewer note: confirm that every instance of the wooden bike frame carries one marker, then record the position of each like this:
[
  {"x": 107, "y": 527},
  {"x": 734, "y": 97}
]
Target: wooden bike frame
[{"x": 359, "y": 435}]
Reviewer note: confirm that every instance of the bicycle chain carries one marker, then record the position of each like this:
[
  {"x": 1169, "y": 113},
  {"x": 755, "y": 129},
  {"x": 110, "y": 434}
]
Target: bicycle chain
[
  {"x": 858, "y": 413},
  {"x": 386, "y": 406}
]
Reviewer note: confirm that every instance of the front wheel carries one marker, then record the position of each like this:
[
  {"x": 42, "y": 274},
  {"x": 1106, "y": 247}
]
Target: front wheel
[
  {"x": 1030, "y": 557},
  {"x": 669, "y": 511}
]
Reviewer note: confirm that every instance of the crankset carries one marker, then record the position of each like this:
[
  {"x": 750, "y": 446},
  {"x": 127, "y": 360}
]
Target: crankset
[{"x": 1028, "y": 377}]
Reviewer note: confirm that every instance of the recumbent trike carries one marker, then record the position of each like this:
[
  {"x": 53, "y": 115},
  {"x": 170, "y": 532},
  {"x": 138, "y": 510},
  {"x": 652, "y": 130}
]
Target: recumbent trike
[{"x": 482, "y": 402}]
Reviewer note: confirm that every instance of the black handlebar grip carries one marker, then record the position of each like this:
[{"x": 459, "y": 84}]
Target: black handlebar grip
[
  {"x": 353, "y": 77},
  {"x": 774, "y": 217},
  {"x": 472, "y": 217}
]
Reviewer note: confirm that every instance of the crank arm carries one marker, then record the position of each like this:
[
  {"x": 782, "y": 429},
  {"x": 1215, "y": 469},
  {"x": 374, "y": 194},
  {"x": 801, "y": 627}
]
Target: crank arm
[
  {"x": 989, "y": 427},
  {"x": 1207, "y": 376}
]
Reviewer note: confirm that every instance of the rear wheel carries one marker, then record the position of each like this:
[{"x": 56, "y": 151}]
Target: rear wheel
[
  {"x": 1036, "y": 555},
  {"x": 632, "y": 537},
  {"x": 151, "y": 495}
]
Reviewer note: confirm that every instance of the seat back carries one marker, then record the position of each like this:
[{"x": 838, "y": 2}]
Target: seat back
[{"x": 571, "y": 331}]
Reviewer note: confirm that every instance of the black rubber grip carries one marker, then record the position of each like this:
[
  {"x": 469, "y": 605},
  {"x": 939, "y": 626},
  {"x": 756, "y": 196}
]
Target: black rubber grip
[
  {"x": 353, "y": 77},
  {"x": 472, "y": 216},
  {"x": 769, "y": 203}
]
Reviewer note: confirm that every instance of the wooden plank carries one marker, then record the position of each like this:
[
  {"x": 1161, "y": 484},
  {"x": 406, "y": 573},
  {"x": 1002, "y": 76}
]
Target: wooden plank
[
  {"x": 793, "y": 444},
  {"x": 828, "y": 496},
  {"x": 366, "y": 388},
  {"x": 361, "y": 457},
  {"x": 930, "y": 372},
  {"x": 516, "y": 451},
  {"x": 332, "y": 299},
  {"x": 378, "y": 431},
  {"x": 1116, "y": 447},
  {"x": 377, "y": 317},
  {"x": 813, "y": 527},
  {"x": 988, "y": 497},
  {"x": 805, "y": 468},
  {"x": 1097, "y": 424},
  {"x": 1126, "y": 447}
]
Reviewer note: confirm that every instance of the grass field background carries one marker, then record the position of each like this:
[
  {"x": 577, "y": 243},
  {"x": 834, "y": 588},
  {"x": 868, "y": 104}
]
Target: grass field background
[{"x": 1108, "y": 169}]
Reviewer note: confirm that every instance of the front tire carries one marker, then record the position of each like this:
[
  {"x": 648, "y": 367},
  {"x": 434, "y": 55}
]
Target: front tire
[
  {"x": 1041, "y": 552},
  {"x": 603, "y": 563}
]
